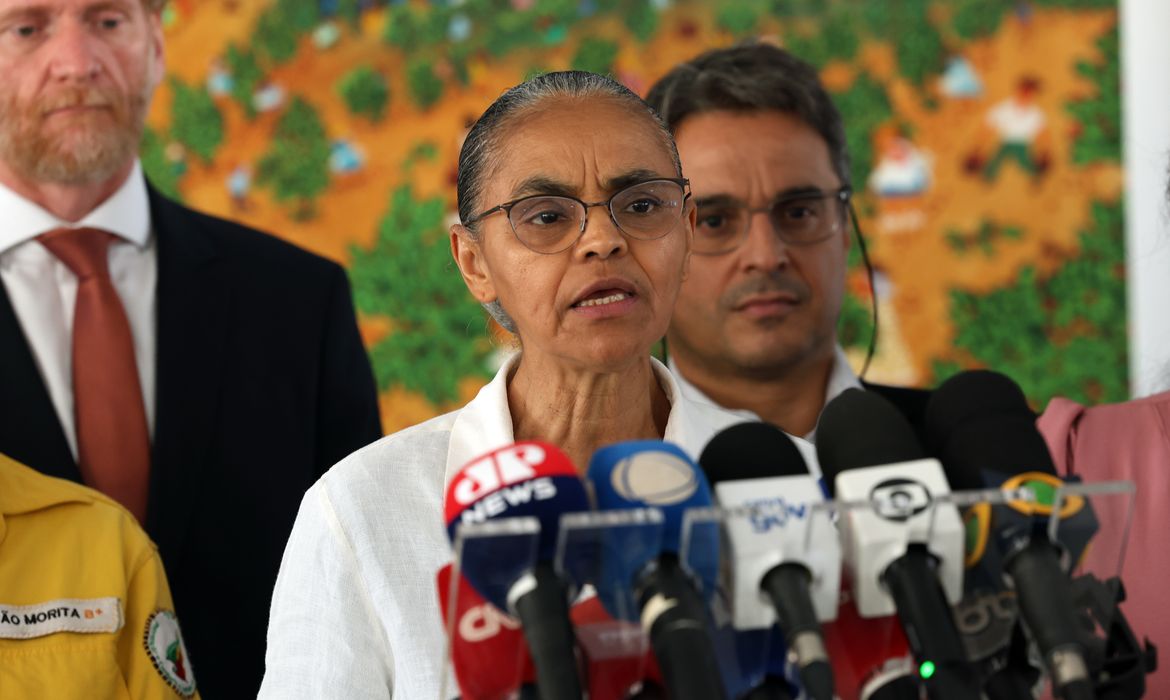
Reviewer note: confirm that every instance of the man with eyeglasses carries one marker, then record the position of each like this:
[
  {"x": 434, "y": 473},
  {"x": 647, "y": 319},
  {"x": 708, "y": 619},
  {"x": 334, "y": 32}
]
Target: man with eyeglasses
[{"x": 764, "y": 148}]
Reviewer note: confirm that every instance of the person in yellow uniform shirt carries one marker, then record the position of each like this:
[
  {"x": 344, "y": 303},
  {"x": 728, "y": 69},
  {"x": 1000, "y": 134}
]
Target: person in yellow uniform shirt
[{"x": 85, "y": 609}]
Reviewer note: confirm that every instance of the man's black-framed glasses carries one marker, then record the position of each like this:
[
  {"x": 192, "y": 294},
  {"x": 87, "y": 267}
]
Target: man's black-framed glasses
[
  {"x": 802, "y": 218},
  {"x": 552, "y": 223}
]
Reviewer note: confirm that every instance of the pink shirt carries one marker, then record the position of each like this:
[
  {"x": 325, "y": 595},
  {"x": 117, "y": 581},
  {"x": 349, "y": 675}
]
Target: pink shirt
[{"x": 1129, "y": 441}]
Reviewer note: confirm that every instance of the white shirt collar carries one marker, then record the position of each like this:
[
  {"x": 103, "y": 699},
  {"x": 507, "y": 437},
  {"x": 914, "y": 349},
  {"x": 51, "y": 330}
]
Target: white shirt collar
[
  {"x": 126, "y": 214},
  {"x": 485, "y": 424},
  {"x": 841, "y": 377}
]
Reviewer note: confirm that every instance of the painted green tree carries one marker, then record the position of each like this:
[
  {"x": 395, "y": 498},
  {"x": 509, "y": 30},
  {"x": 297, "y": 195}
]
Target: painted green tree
[
  {"x": 302, "y": 16},
  {"x": 440, "y": 333},
  {"x": 246, "y": 76},
  {"x": 1099, "y": 117},
  {"x": 351, "y": 12},
  {"x": 738, "y": 18},
  {"x": 1078, "y": 4},
  {"x": 642, "y": 20},
  {"x": 595, "y": 55},
  {"x": 426, "y": 88},
  {"x": 855, "y": 323},
  {"x": 918, "y": 44},
  {"x": 296, "y": 165},
  {"x": 1064, "y": 334},
  {"x": 984, "y": 238},
  {"x": 976, "y": 19},
  {"x": 836, "y": 38},
  {"x": 198, "y": 124},
  {"x": 278, "y": 30},
  {"x": 864, "y": 107},
  {"x": 275, "y": 38},
  {"x": 365, "y": 92},
  {"x": 160, "y": 171},
  {"x": 411, "y": 29}
]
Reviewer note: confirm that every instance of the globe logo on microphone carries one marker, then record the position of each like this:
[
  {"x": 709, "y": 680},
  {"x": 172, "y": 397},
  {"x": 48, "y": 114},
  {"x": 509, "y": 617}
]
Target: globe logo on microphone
[
  {"x": 655, "y": 478},
  {"x": 900, "y": 499}
]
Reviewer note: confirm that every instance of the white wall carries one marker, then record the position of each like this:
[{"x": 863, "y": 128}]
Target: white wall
[{"x": 1145, "y": 66}]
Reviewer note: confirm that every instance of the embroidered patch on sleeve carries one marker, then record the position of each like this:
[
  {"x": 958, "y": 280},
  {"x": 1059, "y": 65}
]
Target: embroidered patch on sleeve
[
  {"x": 84, "y": 615},
  {"x": 168, "y": 653}
]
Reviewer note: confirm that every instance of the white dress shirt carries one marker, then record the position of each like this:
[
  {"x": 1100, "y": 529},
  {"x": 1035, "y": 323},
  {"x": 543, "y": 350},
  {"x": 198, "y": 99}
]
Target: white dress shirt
[
  {"x": 355, "y": 611},
  {"x": 43, "y": 290},
  {"x": 841, "y": 377}
]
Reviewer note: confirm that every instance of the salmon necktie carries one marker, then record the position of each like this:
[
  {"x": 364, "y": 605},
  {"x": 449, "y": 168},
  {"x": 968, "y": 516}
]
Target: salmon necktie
[{"x": 113, "y": 443}]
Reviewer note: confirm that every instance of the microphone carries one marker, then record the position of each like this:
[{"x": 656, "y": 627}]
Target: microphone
[
  {"x": 491, "y": 661},
  {"x": 871, "y": 657},
  {"x": 986, "y": 618},
  {"x": 524, "y": 479},
  {"x": 621, "y": 665},
  {"x": 905, "y": 553},
  {"x": 487, "y": 647},
  {"x": 654, "y": 474},
  {"x": 787, "y": 561},
  {"x": 980, "y": 421}
]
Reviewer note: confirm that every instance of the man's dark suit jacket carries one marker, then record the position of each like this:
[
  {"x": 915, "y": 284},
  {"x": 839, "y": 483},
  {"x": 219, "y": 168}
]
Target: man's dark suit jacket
[{"x": 262, "y": 384}]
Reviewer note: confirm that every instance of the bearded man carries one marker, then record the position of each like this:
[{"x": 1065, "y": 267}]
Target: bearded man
[{"x": 200, "y": 373}]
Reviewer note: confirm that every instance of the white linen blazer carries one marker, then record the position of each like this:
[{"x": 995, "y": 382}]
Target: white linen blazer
[{"x": 355, "y": 611}]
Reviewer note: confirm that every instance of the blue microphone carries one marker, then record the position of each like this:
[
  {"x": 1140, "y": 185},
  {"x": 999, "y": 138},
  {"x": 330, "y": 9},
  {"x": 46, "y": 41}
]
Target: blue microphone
[{"x": 654, "y": 474}]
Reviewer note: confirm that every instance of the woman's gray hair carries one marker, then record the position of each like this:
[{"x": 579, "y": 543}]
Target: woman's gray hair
[
  {"x": 496, "y": 310},
  {"x": 481, "y": 148}
]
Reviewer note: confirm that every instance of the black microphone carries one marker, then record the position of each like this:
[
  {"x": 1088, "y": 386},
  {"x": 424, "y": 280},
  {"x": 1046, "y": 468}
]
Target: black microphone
[
  {"x": 757, "y": 465},
  {"x": 668, "y": 596},
  {"x": 906, "y": 552},
  {"x": 980, "y": 421}
]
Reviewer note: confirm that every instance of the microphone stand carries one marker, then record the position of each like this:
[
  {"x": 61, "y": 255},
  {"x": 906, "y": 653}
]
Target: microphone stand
[{"x": 1118, "y": 663}]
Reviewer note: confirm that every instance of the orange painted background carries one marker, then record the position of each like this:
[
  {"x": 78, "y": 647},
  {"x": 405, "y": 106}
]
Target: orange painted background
[{"x": 985, "y": 139}]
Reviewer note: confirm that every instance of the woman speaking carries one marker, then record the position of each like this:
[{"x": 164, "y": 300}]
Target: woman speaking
[{"x": 575, "y": 233}]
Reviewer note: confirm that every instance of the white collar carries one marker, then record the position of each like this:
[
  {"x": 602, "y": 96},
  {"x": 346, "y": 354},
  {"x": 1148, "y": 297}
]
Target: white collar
[
  {"x": 841, "y": 377},
  {"x": 126, "y": 214},
  {"x": 485, "y": 424}
]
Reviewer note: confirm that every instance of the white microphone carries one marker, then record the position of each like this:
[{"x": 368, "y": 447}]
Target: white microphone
[
  {"x": 904, "y": 512},
  {"x": 785, "y": 554},
  {"x": 904, "y": 548}
]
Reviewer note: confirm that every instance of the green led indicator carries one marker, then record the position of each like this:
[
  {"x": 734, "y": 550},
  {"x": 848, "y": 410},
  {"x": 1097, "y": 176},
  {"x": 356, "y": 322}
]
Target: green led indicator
[{"x": 926, "y": 670}]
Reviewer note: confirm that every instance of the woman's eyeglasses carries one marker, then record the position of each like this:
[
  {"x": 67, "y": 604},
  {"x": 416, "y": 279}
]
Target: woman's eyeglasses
[{"x": 550, "y": 223}]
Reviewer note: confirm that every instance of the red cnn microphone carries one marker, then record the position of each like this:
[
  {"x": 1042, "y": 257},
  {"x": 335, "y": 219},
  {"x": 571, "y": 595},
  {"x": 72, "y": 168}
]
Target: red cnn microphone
[
  {"x": 486, "y": 646},
  {"x": 870, "y": 656},
  {"x": 525, "y": 479},
  {"x": 617, "y": 653},
  {"x": 491, "y": 660}
]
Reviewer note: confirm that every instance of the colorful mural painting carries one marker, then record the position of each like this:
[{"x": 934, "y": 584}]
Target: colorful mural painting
[{"x": 985, "y": 139}]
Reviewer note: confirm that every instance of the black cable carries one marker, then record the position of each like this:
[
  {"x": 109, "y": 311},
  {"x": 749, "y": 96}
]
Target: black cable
[{"x": 872, "y": 290}]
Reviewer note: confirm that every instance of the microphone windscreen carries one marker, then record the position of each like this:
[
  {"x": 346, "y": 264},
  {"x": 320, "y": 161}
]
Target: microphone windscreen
[
  {"x": 752, "y": 450},
  {"x": 650, "y": 474},
  {"x": 487, "y": 647},
  {"x": 861, "y": 429},
  {"x": 980, "y": 420},
  {"x": 523, "y": 479}
]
